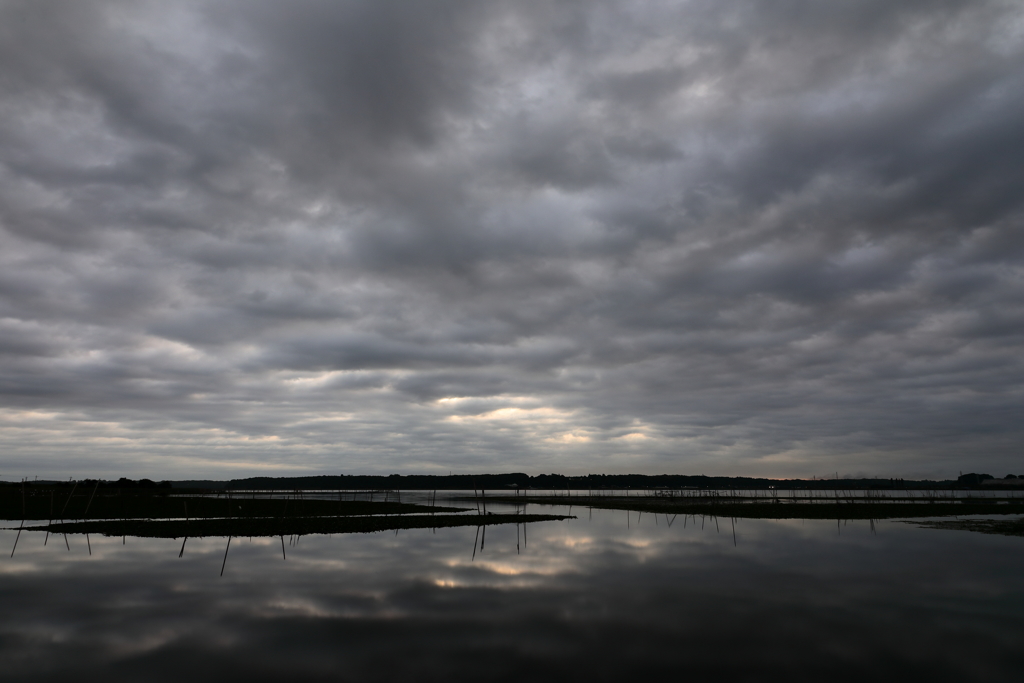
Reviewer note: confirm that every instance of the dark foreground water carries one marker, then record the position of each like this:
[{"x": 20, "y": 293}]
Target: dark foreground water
[{"x": 585, "y": 599}]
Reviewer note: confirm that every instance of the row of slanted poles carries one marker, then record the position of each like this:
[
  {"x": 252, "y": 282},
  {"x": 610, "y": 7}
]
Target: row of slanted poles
[
  {"x": 63, "y": 510},
  {"x": 50, "y": 521}
]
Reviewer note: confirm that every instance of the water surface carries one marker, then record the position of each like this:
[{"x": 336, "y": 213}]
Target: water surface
[{"x": 608, "y": 596}]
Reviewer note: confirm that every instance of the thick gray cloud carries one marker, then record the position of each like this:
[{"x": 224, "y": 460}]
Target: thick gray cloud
[{"x": 762, "y": 237}]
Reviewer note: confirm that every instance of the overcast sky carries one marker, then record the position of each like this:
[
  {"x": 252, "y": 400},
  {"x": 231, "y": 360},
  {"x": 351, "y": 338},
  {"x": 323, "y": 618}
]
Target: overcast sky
[{"x": 259, "y": 237}]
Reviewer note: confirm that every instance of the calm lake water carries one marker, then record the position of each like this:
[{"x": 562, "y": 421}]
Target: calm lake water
[{"x": 606, "y": 596}]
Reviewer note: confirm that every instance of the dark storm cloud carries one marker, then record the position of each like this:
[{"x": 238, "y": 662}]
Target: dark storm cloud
[{"x": 772, "y": 237}]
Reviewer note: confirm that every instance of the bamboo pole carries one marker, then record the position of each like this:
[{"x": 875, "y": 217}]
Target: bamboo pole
[
  {"x": 22, "y": 518},
  {"x": 50, "y": 521},
  {"x": 89, "y": 504},
  {"x": 224, "y": 563}
]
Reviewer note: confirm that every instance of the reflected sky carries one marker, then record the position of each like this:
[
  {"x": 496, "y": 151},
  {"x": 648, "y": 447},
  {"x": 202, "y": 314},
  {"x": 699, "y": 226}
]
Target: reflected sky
[{"x": 607, "y": 596}]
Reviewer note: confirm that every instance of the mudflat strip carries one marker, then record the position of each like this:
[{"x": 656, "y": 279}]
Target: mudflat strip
[
  {"x": 842, "y": 509},
  {"x": 271, "y": 526},
  {"x": 1002, "y": 527}
]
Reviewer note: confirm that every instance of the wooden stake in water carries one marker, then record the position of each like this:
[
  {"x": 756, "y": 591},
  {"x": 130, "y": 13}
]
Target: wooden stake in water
[
  {"x": 50, "y": 521},
  {"x": 224, "y": 563},
  {"x": 17, "y": 537},
  {"x": 22, "y": 518},
  {"x": 89, "y": 504}
]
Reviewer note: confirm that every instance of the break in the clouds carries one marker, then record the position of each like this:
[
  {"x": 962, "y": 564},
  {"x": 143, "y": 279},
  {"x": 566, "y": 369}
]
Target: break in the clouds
[{"x": 777, "y": 238}]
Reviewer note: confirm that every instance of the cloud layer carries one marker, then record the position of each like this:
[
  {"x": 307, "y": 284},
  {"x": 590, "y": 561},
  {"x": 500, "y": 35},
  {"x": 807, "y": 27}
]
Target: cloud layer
[{"x": 764, "y": 238}]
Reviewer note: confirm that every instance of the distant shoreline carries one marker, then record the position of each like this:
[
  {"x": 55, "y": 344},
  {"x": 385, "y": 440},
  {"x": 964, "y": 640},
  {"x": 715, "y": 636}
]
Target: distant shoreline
[{"x": 547, "y": 482}]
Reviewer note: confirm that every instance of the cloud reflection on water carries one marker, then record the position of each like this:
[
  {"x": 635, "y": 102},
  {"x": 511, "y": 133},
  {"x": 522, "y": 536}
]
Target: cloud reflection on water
[{"x": 584, "y": 598}]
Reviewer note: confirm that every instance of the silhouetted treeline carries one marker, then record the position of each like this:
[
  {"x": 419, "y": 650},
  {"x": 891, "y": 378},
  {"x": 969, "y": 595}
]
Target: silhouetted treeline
[
  {"x": 552, "y": 482},
  {"x": 972, "y": 479},
  {"x": 514, "y": 480},
  {"x": 122, "y": 483}
]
